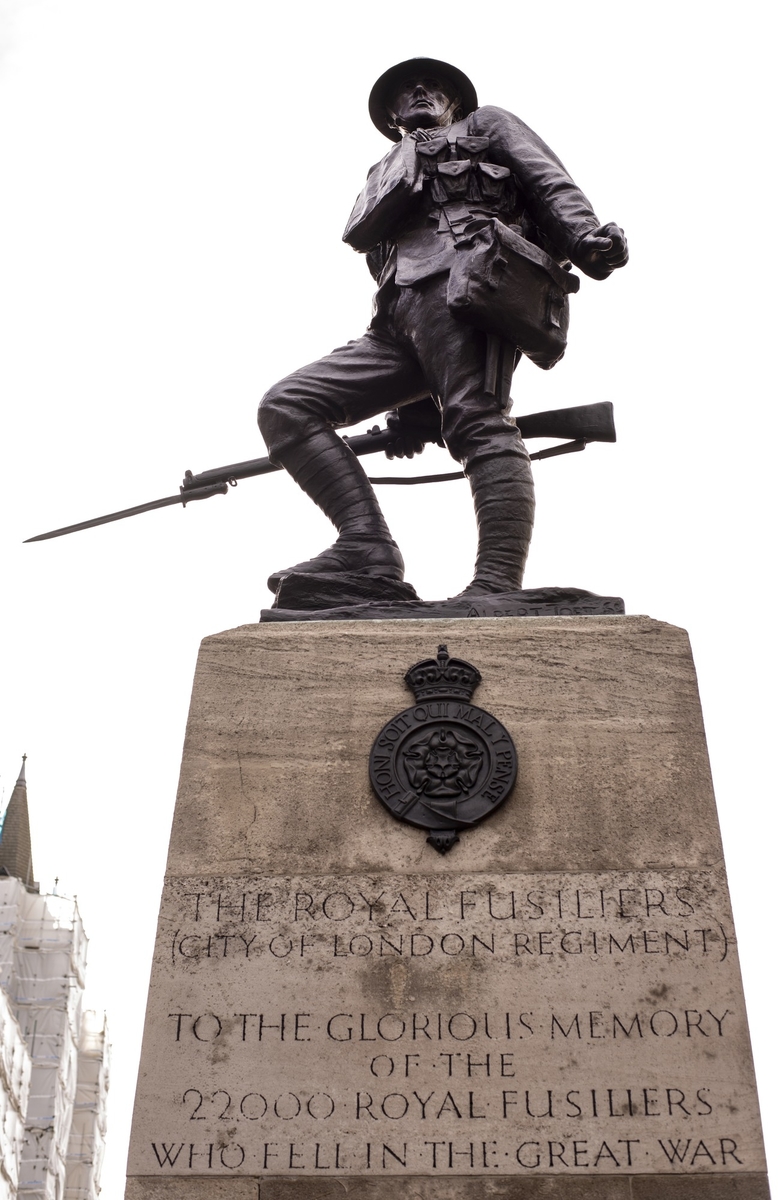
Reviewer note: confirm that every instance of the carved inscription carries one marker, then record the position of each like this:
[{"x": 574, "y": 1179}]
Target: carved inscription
[{"x": 500, "y": 1024}]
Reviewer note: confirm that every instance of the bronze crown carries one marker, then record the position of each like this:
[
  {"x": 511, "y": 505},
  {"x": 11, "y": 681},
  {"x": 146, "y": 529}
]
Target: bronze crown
[{"x": 443, "y": 676}]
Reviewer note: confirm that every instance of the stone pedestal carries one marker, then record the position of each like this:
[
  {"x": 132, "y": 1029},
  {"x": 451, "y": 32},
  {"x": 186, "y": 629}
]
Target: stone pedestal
[{"x": 551, "y": 1010}]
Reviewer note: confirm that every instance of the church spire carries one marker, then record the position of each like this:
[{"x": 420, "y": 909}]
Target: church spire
[{"x": 16, "y": 854}]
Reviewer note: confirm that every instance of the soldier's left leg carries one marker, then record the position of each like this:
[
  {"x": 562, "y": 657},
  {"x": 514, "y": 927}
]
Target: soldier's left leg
[
  {"x": 299, "y": 418},
  {"x": 478, "y": 431}
]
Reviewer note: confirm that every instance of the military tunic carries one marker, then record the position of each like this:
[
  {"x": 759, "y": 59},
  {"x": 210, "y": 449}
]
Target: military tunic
[{"x": 416, "y": 204}]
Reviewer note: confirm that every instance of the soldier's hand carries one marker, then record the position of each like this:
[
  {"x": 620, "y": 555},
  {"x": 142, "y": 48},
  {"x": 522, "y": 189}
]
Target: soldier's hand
[
  {"x": 602, "y": 252},
  {"x": 414, "y": 426},
  {"x": 407, "y": 442}
]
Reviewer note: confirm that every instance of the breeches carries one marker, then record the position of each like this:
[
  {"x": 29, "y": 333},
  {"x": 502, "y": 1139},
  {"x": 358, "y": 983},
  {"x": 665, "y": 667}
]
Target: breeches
[{"x": 415, "y": 348}]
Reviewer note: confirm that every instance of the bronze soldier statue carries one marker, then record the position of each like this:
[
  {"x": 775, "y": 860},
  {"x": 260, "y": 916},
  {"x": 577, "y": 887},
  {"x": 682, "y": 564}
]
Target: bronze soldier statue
[{"x": 460, "y": 182}]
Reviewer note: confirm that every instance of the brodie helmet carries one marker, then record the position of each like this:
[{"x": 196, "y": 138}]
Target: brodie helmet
[{"x": 389, "y": 82}]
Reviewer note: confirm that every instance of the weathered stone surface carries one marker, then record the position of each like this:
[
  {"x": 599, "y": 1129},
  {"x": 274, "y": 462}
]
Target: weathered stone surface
[
  {"x": 749, "y": 1186},
  {"x": 552, "y": 1011},
  {"x": 604, "y": 712},
  {"x": 698, "y": 1187},
  {"x": 452, "y": 1188},
  {"x": 492, "y": 1012},
  {"x": 153, "y": 1188}
]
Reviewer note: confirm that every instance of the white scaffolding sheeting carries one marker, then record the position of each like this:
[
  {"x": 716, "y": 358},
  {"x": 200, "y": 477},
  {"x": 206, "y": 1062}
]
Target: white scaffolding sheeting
[
  {"x": 88, "y": 1128},
  {"x": 15, "y": 1068},
  {"x": 43, "y": 952}
]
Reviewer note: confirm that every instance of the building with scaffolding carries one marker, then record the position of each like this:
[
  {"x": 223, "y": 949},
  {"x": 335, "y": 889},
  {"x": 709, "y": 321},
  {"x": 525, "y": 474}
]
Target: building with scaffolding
[{"x": 53, "y": 1054}]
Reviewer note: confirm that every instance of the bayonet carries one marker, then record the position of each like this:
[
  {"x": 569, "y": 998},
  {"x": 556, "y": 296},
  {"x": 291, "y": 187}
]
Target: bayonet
[
  {"x": 583, "y": 424},
  {"x": 183, "y": 498}
]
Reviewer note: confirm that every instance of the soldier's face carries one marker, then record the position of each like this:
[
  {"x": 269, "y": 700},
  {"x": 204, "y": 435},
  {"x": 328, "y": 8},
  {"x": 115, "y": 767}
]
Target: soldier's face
[{"x": 422, "y": 104}]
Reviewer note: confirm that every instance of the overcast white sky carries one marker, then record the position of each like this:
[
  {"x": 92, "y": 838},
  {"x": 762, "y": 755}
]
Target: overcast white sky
[{"x": 175, "y": 179}]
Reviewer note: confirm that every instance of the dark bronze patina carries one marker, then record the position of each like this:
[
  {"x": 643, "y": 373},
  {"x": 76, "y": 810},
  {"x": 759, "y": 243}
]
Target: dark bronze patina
[
  {"x": 470, "y": 226},
  {"x": 583, "y": 424},
  {"x": 443, "y": 765}
]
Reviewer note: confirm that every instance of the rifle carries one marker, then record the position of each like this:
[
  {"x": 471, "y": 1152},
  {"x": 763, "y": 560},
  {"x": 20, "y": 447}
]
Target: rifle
[{"x": 583, "y": 424}]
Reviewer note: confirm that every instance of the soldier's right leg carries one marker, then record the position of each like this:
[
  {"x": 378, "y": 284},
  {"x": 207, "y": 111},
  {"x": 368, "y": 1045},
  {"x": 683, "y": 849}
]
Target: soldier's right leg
[
  {"x": 298, "y": 419},
  {"x": 478, "y": 431}
]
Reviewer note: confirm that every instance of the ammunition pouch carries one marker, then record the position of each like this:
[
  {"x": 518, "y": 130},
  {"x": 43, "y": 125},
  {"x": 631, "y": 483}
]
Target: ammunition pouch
[{"x": 506, "y": 286}]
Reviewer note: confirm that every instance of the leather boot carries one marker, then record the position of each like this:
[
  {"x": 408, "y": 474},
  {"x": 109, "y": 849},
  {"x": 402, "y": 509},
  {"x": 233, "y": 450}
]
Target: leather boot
[
  {"x": 504, "y": 497},
  {"x": 331, "y": 475}
]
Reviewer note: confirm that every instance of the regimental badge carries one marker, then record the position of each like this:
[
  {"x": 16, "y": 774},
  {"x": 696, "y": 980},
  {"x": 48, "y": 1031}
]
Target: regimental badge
[{"x": 443, "y": 765}]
